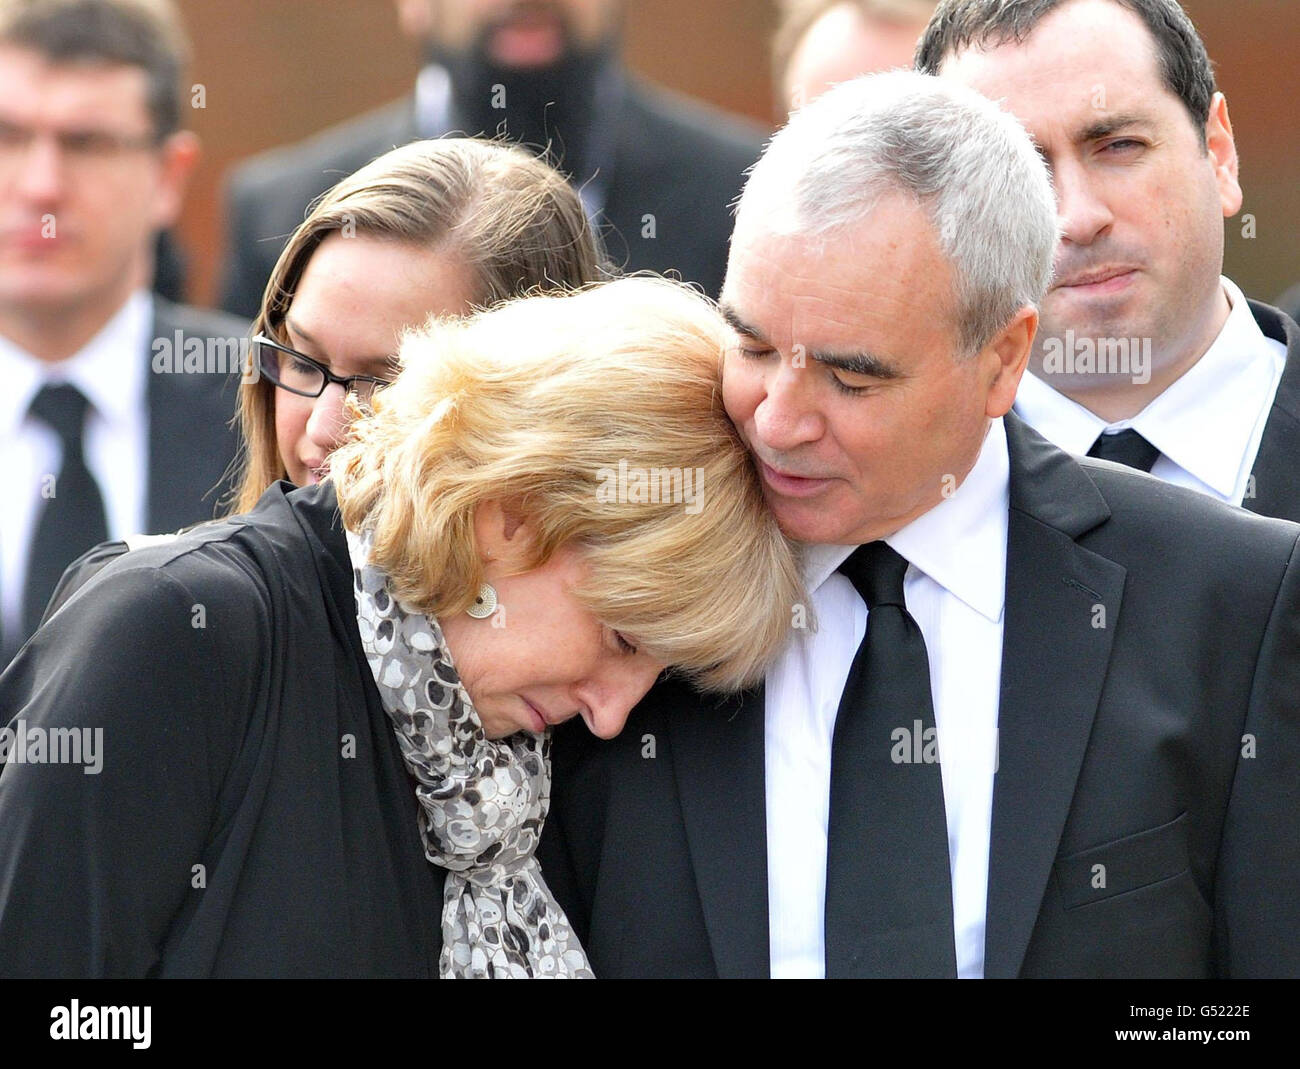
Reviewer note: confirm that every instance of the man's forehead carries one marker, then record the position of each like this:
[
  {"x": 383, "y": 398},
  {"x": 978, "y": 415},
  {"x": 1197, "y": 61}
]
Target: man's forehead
[
  {"x": 791, "y": 317},
  {"x": 1085, "y": 57},
  {"x": 32, "y": 76},
  {"x": 777, "y": 282},
  {"x": 875, "y": 286}
]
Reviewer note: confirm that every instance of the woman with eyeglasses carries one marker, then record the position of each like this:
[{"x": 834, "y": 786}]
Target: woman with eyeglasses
[
  {"x": 312, "y": 739},
  {"x": 435, "y": 228},
  {"x": 432, "y": 228}
]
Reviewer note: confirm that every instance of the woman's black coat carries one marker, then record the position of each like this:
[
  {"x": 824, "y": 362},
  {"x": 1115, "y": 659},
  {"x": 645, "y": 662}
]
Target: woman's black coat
[{"x": 252, "y": 816}]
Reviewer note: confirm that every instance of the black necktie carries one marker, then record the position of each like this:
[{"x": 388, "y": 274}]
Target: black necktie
[
  {"x": 73, "y": 517},
  {"x": 1126, "y": 447},
  {"x": 888, "y": 889}
]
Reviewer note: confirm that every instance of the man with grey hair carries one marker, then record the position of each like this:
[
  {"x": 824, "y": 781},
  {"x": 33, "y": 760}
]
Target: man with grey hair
[
  {"x": 1046, "y": 724},
  {"x": 1147, "y": 355}
]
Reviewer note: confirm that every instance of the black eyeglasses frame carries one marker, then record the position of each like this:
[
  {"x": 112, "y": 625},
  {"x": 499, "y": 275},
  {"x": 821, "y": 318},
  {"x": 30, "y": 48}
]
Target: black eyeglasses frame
[{"x": 346, "y": 381}]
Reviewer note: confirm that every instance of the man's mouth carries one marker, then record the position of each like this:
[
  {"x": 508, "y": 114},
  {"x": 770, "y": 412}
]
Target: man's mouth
[
  {"x": 34, "y": 237},
  {"x": 1098, "y": 281},
  {"x": 788, "y": 484},
  {"x": 531, "y": 36}
]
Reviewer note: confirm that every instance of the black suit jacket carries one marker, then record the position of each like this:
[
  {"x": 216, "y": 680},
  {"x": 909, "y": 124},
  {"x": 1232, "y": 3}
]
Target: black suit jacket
[
  {"x": 674, "y": 160},
  {"x": 192, "y": 440},
  {"x": 1277, "y": 465},
  {"x": 252, "y": 814},
  {"x": 1120, "y": 745}
]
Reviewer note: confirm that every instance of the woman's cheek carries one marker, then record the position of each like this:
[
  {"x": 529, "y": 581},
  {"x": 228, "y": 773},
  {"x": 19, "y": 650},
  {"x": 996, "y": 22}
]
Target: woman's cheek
[{"x": 290, "y": 428}]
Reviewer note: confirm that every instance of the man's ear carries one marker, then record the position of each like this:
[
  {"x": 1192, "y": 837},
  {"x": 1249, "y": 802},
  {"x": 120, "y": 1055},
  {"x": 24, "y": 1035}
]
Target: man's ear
[
  {"x": 1222, "y": 150},
  {"x": 1004, "y": 359},
  {"x": 179, "y": 155}
]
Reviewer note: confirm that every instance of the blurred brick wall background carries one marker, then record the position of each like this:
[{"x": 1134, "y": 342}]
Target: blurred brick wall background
[{"x": 274, "y": 71}]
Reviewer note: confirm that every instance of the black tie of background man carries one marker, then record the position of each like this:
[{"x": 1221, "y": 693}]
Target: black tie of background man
[
  {"x": 1126, "y": 447},
  {"x": 72, "y": 520},
  {"x": 888, "y": 889}
]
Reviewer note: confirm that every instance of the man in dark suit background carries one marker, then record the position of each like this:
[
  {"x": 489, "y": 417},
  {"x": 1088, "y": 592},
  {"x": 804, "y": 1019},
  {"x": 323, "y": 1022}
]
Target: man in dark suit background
[
  {"x": 1146, "y": 354},
  {"x": 1048, "y": 722},
  {"x": 656, "y": 171},
  {"x": 114, "y": 417}
]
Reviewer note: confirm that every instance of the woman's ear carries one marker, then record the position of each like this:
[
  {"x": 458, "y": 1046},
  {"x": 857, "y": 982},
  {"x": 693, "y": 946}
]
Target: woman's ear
[
  {"x": 512, "y": 521},
  {"x": 502, "y": 534}
]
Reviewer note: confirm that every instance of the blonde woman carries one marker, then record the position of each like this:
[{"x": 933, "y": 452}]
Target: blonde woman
[{"x": 325, "y": 723}]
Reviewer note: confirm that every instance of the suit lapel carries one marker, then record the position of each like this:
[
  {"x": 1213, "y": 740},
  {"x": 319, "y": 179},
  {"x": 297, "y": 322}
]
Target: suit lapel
[
  {"x": 1062, "y": 607},
  {"x": 718, "y": 758},
  {"x": 1277, "y": 465}
]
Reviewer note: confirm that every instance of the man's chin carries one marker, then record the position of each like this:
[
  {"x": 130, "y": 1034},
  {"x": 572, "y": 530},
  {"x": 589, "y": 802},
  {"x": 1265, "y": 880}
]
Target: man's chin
[
  {"x": 1093, "y": 320},
  {"x": 803, "y": 521},
  {"x": 48, "y": 290}
]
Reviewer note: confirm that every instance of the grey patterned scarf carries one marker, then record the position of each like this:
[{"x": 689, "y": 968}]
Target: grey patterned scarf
[{"x": 482, "y": 801}]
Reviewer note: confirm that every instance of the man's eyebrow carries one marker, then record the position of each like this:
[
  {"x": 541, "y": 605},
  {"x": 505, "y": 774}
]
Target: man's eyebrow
[
  {"x": 1108, "y": 126},
  {"x": 858, "y": 363},
  {"x": 739, "y": 325}
]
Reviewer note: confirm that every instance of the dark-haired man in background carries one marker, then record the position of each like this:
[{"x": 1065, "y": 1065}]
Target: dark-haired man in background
[
  {"x": 1146, "y": 354},
  {"x": 94, "y": 442},
  {"x": 657, "y": 172}
]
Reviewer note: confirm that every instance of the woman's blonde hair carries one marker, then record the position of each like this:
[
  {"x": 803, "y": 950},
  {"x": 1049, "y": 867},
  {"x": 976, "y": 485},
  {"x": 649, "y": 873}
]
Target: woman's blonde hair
[
  {"x": 513, "y": 222},
  {"x": 596, "y": 416}
]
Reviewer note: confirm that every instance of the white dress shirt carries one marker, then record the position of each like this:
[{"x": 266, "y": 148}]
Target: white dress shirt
[
  {"x": 1207, "y": 424},
  {"x": 111, "y": 371},
  {"x": 955, "y": 590},
  {"x": 433, "y": 101}
]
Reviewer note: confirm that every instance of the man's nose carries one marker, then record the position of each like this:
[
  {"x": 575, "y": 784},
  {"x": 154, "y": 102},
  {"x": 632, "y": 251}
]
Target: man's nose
[
  {"x": 326, "y": 422},
  {"x": 1081, "y": 208},
  {"x": 786, "y": 416},
  {"x": 40, "y": 170},
  {"x": 611, "y": 697}
]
